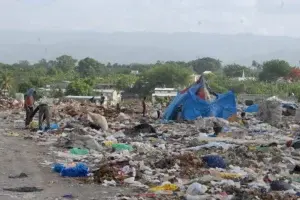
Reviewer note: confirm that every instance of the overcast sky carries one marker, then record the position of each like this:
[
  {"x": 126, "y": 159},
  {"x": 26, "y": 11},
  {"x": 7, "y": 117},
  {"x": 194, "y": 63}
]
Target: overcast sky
[{"x": 264, "y": 17}]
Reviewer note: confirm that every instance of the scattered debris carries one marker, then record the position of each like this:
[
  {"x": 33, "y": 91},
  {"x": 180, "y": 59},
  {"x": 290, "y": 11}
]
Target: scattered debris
[
  {"x": 21, "y": 175},
  {"x": 24, "y": 189}
]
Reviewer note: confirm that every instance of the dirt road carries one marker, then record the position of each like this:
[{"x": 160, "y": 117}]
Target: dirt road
[{"x": 19, "y": 155}]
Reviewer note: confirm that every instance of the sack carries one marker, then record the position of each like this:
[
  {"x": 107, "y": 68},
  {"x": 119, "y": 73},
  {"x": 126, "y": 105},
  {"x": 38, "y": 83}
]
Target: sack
[{"x": 98, "y": 120}]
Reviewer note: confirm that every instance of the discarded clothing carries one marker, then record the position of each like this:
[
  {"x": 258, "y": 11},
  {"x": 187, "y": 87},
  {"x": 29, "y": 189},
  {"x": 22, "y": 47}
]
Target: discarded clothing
[{"x": 214, "y": 161}]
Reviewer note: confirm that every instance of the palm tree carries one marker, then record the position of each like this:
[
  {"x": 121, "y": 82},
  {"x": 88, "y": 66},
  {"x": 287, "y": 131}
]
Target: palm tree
[{"x": 6, "y": 82}]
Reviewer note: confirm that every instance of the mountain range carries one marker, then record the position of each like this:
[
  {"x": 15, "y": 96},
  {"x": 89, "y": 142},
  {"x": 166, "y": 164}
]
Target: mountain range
[{"x": 146, "y": 47}]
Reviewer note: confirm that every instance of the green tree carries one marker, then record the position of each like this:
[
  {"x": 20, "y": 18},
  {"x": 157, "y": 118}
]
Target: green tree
[
  {"x": 6, "y": 82},
  {"x": 37, "y": 82},
  {"x": 125, "y": 81},
  {"x": 57, "y": 93},
  {"x": 90, "y": 81},
  {"x": 90, "y": 67},
  {"x": 24, "y": 86},
  {"x": 205, "y": 64},
  {"x": 273, "y": 69},
  {"x": 163, "y": 75},
  {"x": 79, "y": 87},
  {"x": 65, "y": 63},
  {"x": 235, "y": 70},
  {"x": 256, "y": 65}
]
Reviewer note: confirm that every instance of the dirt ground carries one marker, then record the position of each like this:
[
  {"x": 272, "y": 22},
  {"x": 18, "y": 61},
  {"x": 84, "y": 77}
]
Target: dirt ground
[{"x": 19, "y": 155}]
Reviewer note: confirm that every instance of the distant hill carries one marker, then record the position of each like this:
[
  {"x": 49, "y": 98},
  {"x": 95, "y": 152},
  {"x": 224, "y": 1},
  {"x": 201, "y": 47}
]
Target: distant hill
[{"x": 143, "y": 47}]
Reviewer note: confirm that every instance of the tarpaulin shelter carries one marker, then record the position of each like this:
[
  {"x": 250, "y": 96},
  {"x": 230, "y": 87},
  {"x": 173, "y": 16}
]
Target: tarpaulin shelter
[
  {"x": 253, "y": 108},
  {"x": 192, "y": 106}
]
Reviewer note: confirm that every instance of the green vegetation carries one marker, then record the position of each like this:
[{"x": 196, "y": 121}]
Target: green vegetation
[{"x": 85, "y": 74}]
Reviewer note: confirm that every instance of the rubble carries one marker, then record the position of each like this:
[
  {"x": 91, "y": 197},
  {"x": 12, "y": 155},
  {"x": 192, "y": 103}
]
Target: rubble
[{"x": 175, "y": 160}]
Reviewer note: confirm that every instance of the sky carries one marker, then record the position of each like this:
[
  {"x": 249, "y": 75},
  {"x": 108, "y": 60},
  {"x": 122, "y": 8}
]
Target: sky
[{"x": 262, "y": 17}]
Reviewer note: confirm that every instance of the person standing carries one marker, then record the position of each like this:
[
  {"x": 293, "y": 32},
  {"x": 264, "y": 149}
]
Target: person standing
[
  {"x": 144, "y": 106},
  {"x": 29, "y": 102},
  {"x": 102, "y": 99},
  {"x": 158, "y": 110}
]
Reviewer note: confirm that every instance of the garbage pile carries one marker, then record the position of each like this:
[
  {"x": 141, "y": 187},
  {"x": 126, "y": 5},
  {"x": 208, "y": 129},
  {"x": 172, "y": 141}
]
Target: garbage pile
[
  {"x": 7, "y": 103},
  {"x": 168, "y": 160}
]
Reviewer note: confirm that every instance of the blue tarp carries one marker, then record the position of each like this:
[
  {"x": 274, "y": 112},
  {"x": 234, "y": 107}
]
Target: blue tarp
[
  {"x": 192, "y": 106},
  {"x": 252, "y": 108}
]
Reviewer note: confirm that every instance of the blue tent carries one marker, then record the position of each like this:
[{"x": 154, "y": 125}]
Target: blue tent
[{"x": 224, "y": 106}]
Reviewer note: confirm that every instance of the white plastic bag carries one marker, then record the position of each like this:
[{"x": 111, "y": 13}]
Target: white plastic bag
[
  {"x": 98, "y": 120},
  {"x": 196, "y": 189}
]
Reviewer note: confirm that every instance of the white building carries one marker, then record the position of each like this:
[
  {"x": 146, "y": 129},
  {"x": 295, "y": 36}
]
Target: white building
[
  {"x": 164, "y": 92},
  {"x": 112, "y": 97},
  {"x": 244, "y": 78}
]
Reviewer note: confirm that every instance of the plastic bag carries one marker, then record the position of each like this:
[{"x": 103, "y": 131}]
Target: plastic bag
[
  {"x": 79, "y": 170},
  {"x": 34, "y": 125},
  {"x": 78, "y": 151},
  {"x": 214, "y": 161},
  {"x": 122, "y": 147},
  {"x": 196, "y": 189},
  {"x": 109, "y": 143},
  {"x": 99, "y": 120}
]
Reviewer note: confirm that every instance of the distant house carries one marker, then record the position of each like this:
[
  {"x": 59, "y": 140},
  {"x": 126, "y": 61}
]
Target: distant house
[
  {"x": 112, "y": 97},
  {"x": 164, "y": 92},
  {"x": 56, "y": 86},
  {"x": 244, "y": 78}
]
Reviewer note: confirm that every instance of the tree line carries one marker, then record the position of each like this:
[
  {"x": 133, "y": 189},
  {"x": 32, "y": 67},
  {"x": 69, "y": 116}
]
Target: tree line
[{"x": 86, "y": 73}]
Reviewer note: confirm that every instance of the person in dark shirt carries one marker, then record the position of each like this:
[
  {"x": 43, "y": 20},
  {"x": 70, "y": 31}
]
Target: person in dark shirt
[
  {"x": 102, "y": 99},
  {"x": 29, "y": 102},
  {"x": 118, "y": 108},
  {"x": 44, "y": 114},
  {"x": 92, "y": 100}
]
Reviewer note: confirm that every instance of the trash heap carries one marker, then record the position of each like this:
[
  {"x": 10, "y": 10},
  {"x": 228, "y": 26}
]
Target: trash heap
[
  {"x": 7, "y": 103},
  {"x": 173, "y": 160}
]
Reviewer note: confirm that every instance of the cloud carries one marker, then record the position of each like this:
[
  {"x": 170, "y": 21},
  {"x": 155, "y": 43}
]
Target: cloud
[{"x": 219, "y": 16}]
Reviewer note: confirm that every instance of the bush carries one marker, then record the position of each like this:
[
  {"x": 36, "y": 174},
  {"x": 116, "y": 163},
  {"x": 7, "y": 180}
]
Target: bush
[{"x": 79, "y": 87}]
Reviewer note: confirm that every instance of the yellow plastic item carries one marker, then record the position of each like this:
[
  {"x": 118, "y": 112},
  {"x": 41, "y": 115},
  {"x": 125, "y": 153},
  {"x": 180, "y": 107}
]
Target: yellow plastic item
[
  {"x": 13, "y": 134},
  {"x": 252, "y": 148},
  {"x": 33, "y": 125},
  {"x": 109, "y": 143},
  {"x": 229, "y": 175},
  {"x": 165, "y": 187}
]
